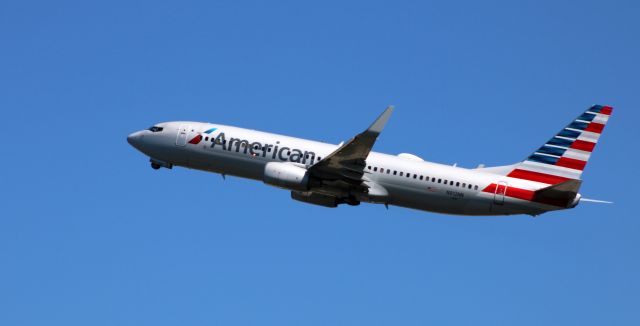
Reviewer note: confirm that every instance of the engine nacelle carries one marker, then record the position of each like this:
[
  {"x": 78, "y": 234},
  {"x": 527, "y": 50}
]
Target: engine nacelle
[
  {"x": 315, "y": 199},
  {"x": 285, "y": 175}
]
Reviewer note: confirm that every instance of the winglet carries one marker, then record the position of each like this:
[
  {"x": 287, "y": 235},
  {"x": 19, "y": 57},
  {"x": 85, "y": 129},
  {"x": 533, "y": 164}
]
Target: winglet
[{"x": 378, "y": 125}]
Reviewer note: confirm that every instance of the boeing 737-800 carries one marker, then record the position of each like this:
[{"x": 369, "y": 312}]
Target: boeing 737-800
[{"x": 350, "y": 173}]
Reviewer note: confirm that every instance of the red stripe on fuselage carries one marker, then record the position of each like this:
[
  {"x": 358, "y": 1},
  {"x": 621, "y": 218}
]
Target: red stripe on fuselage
[
  {"x": 571, "y": 163},
  {"x": 490, "y": 188},
  {"x": 519, "y": 193},
  {"x": 582, "y": 145},
  {"x": 527, "y": 195},
  {"x": 537, "y": 176}
]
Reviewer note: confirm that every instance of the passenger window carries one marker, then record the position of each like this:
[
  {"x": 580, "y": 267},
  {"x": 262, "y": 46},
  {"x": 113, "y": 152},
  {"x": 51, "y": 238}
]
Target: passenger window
[
  {"x": 439, "y": 180},
  {"x": 206, "y": 138},
  {"x": 395, "y": 172},
  {"x": 388, "y": 171},
  {"x": 400, "y": 173},
  {"x": 457, "y": 184},
  {"x": 415, "y": 176},
  {"x": 408, "y": 175},
  {"x": 445, "y": 181},
  {"x": 475, "y": 188},
  {"x": 375, "y": 169},
  {"x": 421, "y": 177},
  {"x": 369, "y": 167}
]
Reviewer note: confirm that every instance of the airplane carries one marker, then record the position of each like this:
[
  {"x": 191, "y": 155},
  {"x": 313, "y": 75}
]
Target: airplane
[{"x": 351, "y": 173}]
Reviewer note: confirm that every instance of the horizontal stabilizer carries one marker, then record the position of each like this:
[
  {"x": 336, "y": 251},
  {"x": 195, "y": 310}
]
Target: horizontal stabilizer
[{"x": 561, "y": 194}]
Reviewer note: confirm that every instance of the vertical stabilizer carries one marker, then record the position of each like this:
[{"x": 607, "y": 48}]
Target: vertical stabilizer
[{"x": 565, "y": 156}]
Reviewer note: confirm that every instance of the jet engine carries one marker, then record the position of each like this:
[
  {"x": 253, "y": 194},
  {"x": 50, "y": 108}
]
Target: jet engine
[
  {"x": 315, "y": 199},
  {"x": 285, "y": 175}
]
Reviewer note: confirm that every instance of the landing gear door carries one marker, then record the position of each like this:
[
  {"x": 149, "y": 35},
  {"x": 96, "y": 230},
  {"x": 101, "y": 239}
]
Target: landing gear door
[
  {"x": 181, "y": 140},
  {"x": 501, "y": 190}
]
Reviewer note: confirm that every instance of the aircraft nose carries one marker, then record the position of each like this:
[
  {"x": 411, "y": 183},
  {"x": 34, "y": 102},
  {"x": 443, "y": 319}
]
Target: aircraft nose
[{"x": 135, "y": 138}]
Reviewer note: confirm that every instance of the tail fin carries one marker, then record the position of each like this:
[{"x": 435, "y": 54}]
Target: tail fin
[{"x": 564, "y": 156}]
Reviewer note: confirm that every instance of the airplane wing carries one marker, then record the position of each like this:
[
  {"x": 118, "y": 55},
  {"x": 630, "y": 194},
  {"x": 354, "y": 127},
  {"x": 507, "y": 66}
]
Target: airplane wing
[{"x": 346, "y": 165}]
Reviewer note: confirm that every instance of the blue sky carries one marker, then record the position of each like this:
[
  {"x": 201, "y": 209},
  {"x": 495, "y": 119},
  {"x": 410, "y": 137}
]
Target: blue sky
[{"x": 89, "y": 234}]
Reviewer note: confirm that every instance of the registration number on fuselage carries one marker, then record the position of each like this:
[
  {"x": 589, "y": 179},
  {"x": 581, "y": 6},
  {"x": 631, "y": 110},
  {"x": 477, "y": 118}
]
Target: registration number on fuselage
[{"x": 455, "y": 194}]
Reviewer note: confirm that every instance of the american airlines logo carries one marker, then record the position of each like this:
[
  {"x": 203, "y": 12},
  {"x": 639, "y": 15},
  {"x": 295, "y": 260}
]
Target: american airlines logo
[
  {"x": 256, "y": 149},
  {"x": 197, "y": 139}
]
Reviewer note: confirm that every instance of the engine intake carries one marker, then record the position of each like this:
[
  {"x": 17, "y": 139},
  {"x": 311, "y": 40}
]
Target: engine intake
[{"x": 284, "y": 175}]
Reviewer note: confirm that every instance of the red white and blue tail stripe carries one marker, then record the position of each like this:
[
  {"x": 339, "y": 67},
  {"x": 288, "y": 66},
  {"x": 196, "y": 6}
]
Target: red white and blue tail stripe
[{"x": 565, "y": 156}]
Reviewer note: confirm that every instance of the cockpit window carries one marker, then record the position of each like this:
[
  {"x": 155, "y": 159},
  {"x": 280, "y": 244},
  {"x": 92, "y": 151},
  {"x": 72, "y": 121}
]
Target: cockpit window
[{"x": 156, "y": 129}]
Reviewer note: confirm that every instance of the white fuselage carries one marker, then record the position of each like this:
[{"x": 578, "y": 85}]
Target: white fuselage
[{"x": 409, "y": 181}]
